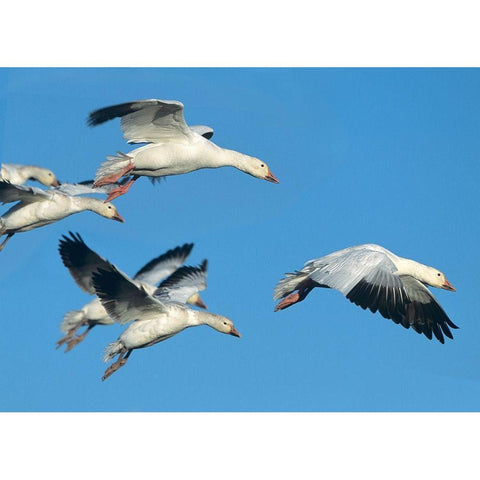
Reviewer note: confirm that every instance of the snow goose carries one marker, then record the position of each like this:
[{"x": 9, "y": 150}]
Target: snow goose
[
  {"x": 172, "y": 147},
  {"x": 38, "y": 207},
  {"x": 19, "y": 174},
  {"x": 373, "y": 277},
  {"x": 82, "y": 261},
  {"x": 154, "y": 320}
]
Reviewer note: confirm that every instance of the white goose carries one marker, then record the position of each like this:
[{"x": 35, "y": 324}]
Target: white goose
[
  {"x": 19, "y": 174},
  {"x": 38, "y": 207},
  {"x": 155, "y": 320},
  {"x": 172, "y": 147},
  {"x": 373, "y": 277},
  {"x": 82, "y": 261}
]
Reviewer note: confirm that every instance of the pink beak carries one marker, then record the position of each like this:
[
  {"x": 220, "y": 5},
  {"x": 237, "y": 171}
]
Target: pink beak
[
  {"x": 118, "y": 218},
  {"x": 235, "y": 332},
  {"x": 448, "y": 286},
  {"x": 56, "y": 183},
  {"x": 270, "y": 177}
]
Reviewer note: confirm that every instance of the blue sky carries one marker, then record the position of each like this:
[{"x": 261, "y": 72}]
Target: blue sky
[{"x": 387, "y": 156}]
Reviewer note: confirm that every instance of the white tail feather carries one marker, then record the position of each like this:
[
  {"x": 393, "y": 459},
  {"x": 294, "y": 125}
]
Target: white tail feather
[
  {"x": 288, "y": 284},
  {"x": 111, "y": 350},
  {"x": 72, "y": 319},
  {"x": 113, "y": 165}
]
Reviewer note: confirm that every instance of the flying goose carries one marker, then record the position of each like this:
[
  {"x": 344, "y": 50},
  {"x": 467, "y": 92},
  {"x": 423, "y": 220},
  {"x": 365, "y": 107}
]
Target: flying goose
[
  {"x": 154, "y": 320},
  {"x": 82, "y": 261},
  {"x": 373, "y": 277},
  {"x": 37, "y": 207},
  {"x": 19, "y": 174},
  {"x": 172, "y": 147}
]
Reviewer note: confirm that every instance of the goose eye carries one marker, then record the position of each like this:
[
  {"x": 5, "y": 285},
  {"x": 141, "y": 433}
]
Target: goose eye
[
  {"x": 109, "y": 207},
  {"x": 439, "y": 275},
  {"x": 262, "y": 165}
]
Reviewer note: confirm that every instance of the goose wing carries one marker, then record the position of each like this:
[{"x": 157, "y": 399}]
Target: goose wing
[
  {"x": 163, "y": 265},
  {"x": 123, "y": 300},
  {"x": 423, "y": 313},
  {"x": 80, "y": 260},
  {"x": 146, "y": 120},
  {"x": 85, "y": 188},
  {"x": 183, "y": 283},
  {"x": 10, "y": 192}
]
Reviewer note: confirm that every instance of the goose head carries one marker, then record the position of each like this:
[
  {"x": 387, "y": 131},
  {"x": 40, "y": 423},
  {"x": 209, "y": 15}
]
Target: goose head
[
  {"x": 223, "y": 325},
  {"x": 45, "y": 176},
  {"x": 108, "y": 210},
  {"x": 259, "y": 169},
  {"x": 435, "y": 278}
]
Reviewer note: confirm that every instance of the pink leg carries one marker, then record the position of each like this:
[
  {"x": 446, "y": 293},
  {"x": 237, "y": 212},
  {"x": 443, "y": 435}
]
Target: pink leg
[
  {"x": 116, "y": 192},
  {"x": 287, "y": 301},
  {"x": 121, "y": 361},
  {"x": 114, "y": 177},
  {"x": 9, "y": 235},
  {"x": 72, "y": 342}
]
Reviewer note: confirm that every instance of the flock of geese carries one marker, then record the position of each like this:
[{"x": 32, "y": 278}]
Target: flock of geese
[{"x": 157, "y": 300}]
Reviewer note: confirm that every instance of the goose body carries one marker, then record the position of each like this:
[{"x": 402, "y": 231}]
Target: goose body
[
  {"x": 82, "y": 261},
  {"x": 37, "y": 207},
  {"x": 19, "y": 174},
  {"x": 172, "y": 147},
  {"x": 153, "y": 320},
  {"x": 373, "y": 277}
]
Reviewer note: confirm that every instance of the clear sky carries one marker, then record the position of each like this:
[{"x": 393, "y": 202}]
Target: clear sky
[{"x": 387, "y": 156}]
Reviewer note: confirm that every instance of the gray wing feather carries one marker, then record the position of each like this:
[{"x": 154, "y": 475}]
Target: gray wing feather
[
  {"x": 19, "y": 193},
  {"x": 182, "y": 284},
  {"x": 146, "y": 120},
  {"x": 85, "y": 188}
]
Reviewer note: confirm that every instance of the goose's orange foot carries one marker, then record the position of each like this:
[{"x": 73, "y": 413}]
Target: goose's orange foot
[
  {"x": 287, "y": 301},
  {"x": 114, "y": 177}
]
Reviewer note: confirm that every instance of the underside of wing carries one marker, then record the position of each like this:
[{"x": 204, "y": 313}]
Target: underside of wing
[
  {"x": 86, "y": 188},
  {"x": 183, "y": 283},
  {"x": 164, "y": 265},
  {"x": 382, "y": 291},
  {"x": 423, "y": 313},
  {"x": 80, "y": 260},
  {"x": 145, "y": 121},
  {"x": 123, "y": 300}
]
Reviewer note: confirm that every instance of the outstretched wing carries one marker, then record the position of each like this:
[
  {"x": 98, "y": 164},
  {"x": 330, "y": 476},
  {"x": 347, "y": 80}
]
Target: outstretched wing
[
  {"x": 164, "y": 265},
  {"x": 146, "y": 120},
  {"x": 182, "y": 284},
  {"x": 10, "y": 192},
  {"x": 85, "y": 188},
  {"x": 122, "y": 299},
  {"x": 80, "y": 260},
  {"x": 423, "y": 313}
]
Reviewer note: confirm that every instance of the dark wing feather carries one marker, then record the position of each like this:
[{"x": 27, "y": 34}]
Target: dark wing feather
[
  {"x": 423, "y": 312},
  {"x": 80, "y": 260},
  {"x": 164, "y": 265},
  {"x": 123, "y": 300}
]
